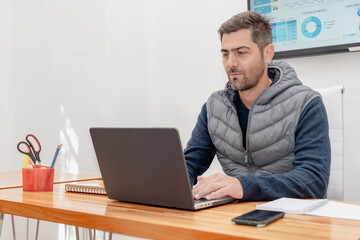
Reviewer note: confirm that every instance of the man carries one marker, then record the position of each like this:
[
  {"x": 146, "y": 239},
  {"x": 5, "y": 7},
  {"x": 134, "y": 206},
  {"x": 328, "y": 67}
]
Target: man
[{"x": 269, "y": 132}]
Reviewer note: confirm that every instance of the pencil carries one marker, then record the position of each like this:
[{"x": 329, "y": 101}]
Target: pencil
[{"x": 55, "y": 156}]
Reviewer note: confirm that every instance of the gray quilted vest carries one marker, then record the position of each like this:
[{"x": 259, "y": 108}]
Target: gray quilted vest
[{"x": 273, "y": 118}]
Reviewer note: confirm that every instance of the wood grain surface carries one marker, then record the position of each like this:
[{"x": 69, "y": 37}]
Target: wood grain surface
[{"x": 99, "y": 212}]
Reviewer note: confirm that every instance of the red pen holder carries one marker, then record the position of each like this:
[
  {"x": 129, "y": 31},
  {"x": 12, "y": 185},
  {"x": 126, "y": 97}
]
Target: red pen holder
[{"x": 38, "y": 179}]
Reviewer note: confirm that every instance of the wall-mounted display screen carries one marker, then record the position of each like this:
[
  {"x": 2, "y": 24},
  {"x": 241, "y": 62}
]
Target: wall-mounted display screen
[{"x": 308, "y": 27}]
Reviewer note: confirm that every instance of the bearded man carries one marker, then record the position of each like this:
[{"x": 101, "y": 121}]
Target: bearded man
[{"x": 268, "y": 131}]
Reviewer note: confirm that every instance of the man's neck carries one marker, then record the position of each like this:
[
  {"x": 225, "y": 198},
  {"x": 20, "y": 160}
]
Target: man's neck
[{"x": 249, "y": 96}]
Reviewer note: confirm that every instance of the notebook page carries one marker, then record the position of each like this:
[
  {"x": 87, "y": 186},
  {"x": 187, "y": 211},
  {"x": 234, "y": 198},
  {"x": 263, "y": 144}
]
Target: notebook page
[
  {"x": 292, "y": 205},
  {"x": 338, "y": 210}
]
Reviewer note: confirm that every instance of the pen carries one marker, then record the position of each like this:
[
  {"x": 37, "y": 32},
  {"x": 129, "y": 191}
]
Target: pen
[{"x": 55, "y": 156}]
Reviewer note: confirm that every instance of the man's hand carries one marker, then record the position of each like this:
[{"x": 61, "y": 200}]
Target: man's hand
[{"x": 217, "y": 185}]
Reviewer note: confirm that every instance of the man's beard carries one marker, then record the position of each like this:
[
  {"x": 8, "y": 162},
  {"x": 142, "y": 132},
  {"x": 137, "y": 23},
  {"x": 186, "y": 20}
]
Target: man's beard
[{"x": 247, "y": 82}]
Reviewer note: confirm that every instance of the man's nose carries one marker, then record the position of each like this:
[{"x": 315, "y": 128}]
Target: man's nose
[{"x": 232, "y": 61}]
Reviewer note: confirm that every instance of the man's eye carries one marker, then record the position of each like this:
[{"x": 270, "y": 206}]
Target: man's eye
[
  {"x": 240, "y": 53},
  {"x": 225, "y": 55}
]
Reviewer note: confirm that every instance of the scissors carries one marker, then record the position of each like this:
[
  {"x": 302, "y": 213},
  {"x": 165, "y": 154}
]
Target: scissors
[{"x": 31, "y": 148}]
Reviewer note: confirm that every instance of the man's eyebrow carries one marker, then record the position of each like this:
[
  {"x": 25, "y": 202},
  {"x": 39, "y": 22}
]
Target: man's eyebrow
[{"x": 235, "y": 49}]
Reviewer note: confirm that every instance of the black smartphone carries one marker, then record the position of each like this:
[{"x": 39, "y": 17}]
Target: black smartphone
[{"x": 259, "y": 218}]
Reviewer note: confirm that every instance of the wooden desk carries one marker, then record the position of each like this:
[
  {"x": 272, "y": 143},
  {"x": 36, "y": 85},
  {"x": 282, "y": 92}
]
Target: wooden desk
[
  {"x": 13, "y": 179},
  {"x": 99, "y": 212}
]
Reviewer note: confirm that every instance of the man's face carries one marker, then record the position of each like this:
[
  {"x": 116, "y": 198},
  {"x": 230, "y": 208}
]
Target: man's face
[{"x": 242, "y": 60}]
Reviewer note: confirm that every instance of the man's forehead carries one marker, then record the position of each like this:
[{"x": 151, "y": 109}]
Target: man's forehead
[{"x": 240, "y": 38}]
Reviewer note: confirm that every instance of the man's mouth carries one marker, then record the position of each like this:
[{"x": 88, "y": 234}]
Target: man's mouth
[{"x": 235, "y": 72}]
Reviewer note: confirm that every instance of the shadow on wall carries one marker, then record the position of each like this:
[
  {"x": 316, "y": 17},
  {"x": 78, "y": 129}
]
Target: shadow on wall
[{"x": 70, "y": 149}]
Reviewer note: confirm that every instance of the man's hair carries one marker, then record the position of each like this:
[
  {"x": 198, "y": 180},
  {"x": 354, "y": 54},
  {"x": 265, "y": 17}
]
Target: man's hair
[{"x": 260, "y": 27}]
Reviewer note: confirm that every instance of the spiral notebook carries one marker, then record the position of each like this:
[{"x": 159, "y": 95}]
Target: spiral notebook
[{"x": 94, "y": 188}]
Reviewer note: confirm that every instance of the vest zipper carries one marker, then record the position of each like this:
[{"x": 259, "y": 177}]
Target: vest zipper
[{"x": 248, "y": 159}]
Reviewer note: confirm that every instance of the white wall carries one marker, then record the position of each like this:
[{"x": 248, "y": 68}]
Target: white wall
[
  {"x": 52, "y": 70},
  {"x": 69, "y": 65},
  {"x": 185, "y": 64}
]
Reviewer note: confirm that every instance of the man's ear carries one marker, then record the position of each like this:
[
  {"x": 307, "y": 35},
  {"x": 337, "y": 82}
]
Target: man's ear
[{"x": 269, "y": 52}]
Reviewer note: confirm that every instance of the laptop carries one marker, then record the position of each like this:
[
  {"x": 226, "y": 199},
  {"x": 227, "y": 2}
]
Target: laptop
[{"x": 146, "y": 166}]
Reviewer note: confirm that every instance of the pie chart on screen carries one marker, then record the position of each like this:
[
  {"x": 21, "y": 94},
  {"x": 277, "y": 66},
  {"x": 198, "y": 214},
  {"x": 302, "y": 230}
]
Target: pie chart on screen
[{"x": 311, "y": 27}]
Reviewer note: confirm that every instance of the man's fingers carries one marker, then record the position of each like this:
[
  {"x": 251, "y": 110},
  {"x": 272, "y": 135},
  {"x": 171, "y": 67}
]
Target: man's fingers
[
  {"x": 218, "y": 185},
  {"x": 205, "y": 190},
  {"x": 218, "y": 194},
  {"x": 200, "y": 188}
]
